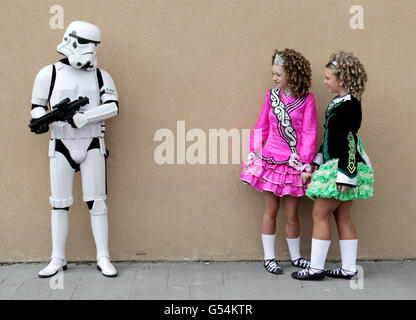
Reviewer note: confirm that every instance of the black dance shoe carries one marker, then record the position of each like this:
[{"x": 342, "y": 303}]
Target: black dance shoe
[
  {"x": 273, "y": 266},
  {"x": 301, "y": 263},
  {"x": 306, "y": 274},
  {"x": 340, "y": 273}
]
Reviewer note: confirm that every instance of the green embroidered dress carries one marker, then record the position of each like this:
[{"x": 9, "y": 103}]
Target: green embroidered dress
[{"x": 341, "y": 157}]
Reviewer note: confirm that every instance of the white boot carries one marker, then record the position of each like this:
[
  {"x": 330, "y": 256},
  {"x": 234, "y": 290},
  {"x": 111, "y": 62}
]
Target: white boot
[
  {"x": 52, "y": 268},
  {"x": 106, "y": 267},
  {"x": 59, "y": 226},
  {"x": 99, "y": 225}
]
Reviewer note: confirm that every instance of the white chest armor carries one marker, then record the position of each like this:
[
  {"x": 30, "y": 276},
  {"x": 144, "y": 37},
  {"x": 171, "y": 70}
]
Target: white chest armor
[{"x": 73, "y": 83}]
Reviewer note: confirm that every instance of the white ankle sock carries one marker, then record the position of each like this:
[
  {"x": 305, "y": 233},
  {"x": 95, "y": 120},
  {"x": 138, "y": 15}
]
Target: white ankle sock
[
  {"x": 268, "y": 245},
  {"x": 318, "y": 254},
  {"x": 349, "y": 254},
  {"x": 294, "y": 248}
]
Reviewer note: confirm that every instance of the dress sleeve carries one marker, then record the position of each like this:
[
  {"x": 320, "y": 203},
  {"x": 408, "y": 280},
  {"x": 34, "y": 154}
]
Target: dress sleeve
[
  {"x": 309, "y": 132},
  {"x": 261, "y": 130},
  {"x": 319, "y": 156},
  {"x": 347, "y": 143}
]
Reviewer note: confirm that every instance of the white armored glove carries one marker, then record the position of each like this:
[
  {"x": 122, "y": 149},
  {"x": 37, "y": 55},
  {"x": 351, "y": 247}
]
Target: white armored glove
[
  {"x": 79, "y": 120},
  {"x": 99, "y": 113}
]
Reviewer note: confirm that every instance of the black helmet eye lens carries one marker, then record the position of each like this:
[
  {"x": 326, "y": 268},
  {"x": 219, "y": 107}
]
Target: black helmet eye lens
[{"x": 83, "y": 41}]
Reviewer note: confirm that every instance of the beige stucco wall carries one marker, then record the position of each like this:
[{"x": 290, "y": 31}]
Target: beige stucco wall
[{"x": 207, "y": 63}]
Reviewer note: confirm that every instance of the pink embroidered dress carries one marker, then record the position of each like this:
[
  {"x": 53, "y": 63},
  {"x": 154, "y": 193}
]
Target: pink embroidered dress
[{"x": 282, "y": 144}]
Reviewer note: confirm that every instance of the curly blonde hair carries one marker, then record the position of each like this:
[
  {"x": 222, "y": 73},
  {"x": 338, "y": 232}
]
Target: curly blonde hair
[
  {"x": 347, "y": 68},
  {"x": 298, "y": 71}
]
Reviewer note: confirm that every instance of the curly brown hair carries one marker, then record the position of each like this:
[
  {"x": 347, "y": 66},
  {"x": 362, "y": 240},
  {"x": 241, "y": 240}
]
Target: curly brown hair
[
  {"x": 298, "y": 71},
  {"x": 347, "y": 68}
]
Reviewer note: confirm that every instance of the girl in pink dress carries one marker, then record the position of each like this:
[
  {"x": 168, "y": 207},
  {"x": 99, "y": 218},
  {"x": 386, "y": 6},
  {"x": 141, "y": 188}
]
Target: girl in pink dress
[{"x": 282, "y": 147}]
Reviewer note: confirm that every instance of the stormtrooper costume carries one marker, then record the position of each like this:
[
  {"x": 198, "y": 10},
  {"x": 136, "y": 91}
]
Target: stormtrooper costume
[{"x": 78, "y": 145}]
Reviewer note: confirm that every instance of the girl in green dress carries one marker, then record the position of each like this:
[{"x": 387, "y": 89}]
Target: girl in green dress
[{"x": 344, "y": 173}]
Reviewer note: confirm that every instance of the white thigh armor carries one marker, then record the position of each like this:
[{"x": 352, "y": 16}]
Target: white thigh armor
[
  {"x": 93, "y": 176},
  {"x": 70, "y": 155},
  {"x": 61, "y": 178}
]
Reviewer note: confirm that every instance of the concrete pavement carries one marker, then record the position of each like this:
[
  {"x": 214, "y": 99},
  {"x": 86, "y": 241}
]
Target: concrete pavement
[{"x": 204, "y": 280}]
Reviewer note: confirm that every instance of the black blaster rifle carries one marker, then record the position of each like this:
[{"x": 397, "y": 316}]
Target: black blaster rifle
[{"x": 63, "y": 111}]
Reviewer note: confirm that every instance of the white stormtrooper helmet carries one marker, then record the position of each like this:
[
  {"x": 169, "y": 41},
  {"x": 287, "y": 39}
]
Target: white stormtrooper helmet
[{"x": 79, "y": 44}]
